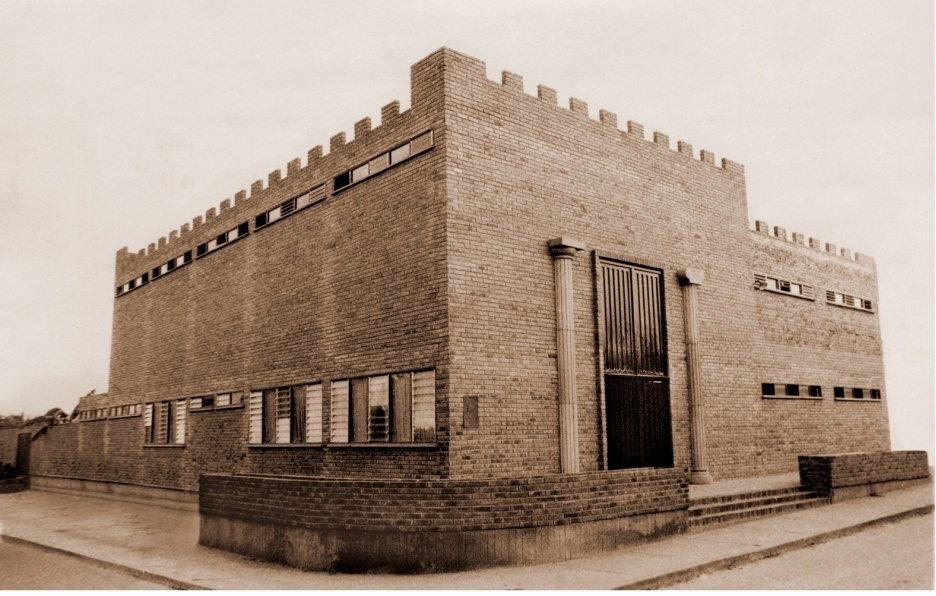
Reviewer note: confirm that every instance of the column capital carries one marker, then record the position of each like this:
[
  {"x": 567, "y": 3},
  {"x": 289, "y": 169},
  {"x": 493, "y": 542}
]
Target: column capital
[
  {"x": 691, "y": 276},
  {"x": 564, "y": 246}
]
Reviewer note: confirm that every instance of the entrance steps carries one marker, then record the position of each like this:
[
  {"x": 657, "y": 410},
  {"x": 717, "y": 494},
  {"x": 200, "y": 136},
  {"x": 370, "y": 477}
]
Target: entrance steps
[{"x": 710, "y": 511}]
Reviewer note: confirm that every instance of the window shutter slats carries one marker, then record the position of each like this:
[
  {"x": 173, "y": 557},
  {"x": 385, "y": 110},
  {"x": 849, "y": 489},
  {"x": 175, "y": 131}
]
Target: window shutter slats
[
  {"x": 180, "y": 414},
  {"x": 282, "y": 415},
  {"x": 424, "y": 406},
  {"x": 339, "y": 411},
  {"x": 256, "y": 417},
  {"x": 314, "y": 413}
]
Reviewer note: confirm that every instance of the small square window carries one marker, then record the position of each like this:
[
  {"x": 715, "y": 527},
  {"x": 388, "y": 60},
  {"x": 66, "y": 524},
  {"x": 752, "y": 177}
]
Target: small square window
[
  {"x": 169, "y": 266},
  {"x": 202, "y": 249},
  {"x": 131, "y": 284},
  {"x": 260, "y": 220},
  {"x": 208, "y": 401},
  {"x": 359, "y": 173},
  {"x": 156, "y": 272},
  {"x": 188, "y": 256},
  {"x": 222, "y": 238},
  {"x": 815, "y": 391},
  {"x": 838, "y": 391},
  {"x": 796, "y": 289},
  {"x": 144, "y": 278},
  {"x": 858, "y": 393},
  {"x": 875, "y": 394},
  {"x": 768, "y": 389},
  {"x": 792, "y": 390},
  {"x": 342, "y": 180},
  {"x": 243, "y": 229}
]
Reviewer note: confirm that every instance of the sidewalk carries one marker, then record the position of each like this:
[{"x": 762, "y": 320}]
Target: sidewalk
[{"x": 161, "y": 544}]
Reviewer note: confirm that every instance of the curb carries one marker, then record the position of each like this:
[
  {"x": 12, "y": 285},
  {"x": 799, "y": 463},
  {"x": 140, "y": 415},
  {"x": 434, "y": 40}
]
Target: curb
[
  {"x": 169, "y": 582},
  {"x": 673, "y": 577}
]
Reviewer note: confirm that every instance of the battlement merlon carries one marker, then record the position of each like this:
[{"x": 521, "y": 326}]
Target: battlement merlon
[
  {"x": 454, "y": 66},
  {"x": 779, "y": 234},
  {"x": 430, "y": 79}
]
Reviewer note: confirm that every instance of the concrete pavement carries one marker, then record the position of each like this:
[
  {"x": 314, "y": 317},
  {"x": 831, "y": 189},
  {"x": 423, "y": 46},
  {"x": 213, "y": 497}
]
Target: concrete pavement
[{"x": 160, "y": 545}]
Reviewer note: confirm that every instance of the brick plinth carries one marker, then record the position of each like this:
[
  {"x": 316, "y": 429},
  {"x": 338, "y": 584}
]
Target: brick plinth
[
  {"x": 438, "y": 525},
  {"x": 850, "y": 475}
]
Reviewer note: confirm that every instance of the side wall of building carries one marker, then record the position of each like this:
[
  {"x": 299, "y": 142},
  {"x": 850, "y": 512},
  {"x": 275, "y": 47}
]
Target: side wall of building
[
  {"x": 805, "y": 342},
  {"x": 353, "y": 285},
  {"x": 523, "y": 170}
]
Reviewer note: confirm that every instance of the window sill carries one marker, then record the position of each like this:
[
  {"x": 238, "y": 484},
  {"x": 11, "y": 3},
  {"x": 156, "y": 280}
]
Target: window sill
[
  {"x": 163, "y": 445},
  {"x": 387, "y": 445},
  {"x": 805, "y": 397},
  {"x": 283, "y": 445},
  {"x": 864, "y": 399},
  {"x": 125, "y": 416}
]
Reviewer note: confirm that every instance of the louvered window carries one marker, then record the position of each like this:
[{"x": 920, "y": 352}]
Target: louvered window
[
  {"x": 783, "y": 286},
  {"x": 288, "y": 207},
  {"x": 847, "y": 300},
  {"x": 286, "y": 415},
  {"x": 397, "y": 408},
  {"x": 164, "y": 422},
  {"x": 378, "y": 164}
]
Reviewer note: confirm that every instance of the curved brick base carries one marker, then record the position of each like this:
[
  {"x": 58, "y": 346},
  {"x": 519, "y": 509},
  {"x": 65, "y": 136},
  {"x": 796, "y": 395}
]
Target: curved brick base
[
  {"x": 418, "y": 526},
  {"x": 13, "y": 485},
  {"x": 349, "y": 551}
]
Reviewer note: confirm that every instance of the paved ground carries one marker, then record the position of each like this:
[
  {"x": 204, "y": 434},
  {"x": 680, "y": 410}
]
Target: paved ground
[
  {"x": 895, "y": 556},
  {"x": 163, "y": 542},
  {"x": 28, "y": 568}
]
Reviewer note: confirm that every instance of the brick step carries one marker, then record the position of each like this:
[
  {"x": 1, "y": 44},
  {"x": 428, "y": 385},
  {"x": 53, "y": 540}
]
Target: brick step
[
  {"x": 747, "y": 495},
  {"x": 696, "y": 510},
  {"x": 707, "y": 522}
]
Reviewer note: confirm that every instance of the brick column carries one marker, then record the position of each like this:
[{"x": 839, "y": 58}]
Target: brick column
[
  {"x": 563, "y": 251},
  {"x": 690, "y": 280}
]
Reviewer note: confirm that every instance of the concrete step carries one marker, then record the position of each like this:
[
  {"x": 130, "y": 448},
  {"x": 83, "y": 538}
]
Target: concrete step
[
  {"x": 738, "y": 504},
  {"x": 706, "y": 522},
  {"x": 746, "y": 495}
]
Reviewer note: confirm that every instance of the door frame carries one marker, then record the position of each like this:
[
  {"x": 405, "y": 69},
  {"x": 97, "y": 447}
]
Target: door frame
[{"x": 597, "y": 256}]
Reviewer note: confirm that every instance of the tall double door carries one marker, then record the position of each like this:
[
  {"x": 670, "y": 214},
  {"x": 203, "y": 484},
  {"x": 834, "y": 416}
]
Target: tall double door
[{"x": 637, "y": 397}]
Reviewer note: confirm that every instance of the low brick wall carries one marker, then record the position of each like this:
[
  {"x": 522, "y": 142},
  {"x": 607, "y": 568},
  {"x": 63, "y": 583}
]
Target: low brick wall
[
  {"x": 13, "y": 485},
  {"x": 407, "y": 526},
  {"x": 849, "y": 475}
]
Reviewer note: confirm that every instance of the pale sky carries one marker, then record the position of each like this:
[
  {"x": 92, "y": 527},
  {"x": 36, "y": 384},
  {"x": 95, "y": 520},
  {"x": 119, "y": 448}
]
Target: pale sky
[{"x": 120, "y": 121}]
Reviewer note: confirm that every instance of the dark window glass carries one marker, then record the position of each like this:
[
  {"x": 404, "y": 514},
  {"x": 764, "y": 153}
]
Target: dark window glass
[
  {"x": 815, "y": 391},
  {"x": 358, "y": 411},
  {"x": 208, "y": 402},
  {"x": 839, "y": 392},
  {"x": 202, "y": 249},
  {"x": 792, "y": 390},
  {"x": 188, "y": 256},
  {"x": 171, "y": 265},
  {"x": 222, "y": 238},
  {"x": 243, "y": 229},
  {"x": 132, "y": 284},
  {"x": 145, "y": 277},
  {"x": 858, "y": 393},
  {"x": 875, "y": 394},
  {"x": 261, "y": 220},
  {"x": 155, "y": 272},
  {"x": 297, "y": 414},
  {"x": 768, "y": 389},
  {"x": 342, "y": 180}
]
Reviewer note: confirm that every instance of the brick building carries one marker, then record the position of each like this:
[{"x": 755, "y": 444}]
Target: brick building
[{"x": 484, "y": 300}]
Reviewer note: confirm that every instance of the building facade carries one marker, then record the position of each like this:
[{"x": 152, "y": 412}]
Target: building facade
[{"x": 486, "y": 286}]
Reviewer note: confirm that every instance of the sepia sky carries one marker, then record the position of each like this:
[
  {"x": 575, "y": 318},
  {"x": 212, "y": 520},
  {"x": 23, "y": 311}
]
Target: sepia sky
[{"x": 120, "y": 121}]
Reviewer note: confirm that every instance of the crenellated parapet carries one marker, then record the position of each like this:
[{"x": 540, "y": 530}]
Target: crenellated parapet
[
  {"x": 319, "y": 169},
  {"x": 778, "y": 233},
  {"x": 513, "y": 82}
]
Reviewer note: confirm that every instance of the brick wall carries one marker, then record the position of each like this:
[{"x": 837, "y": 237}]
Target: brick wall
[
  {"x": 351, "y": 286},
  {"x": 442, "y": 505},
  {"x": 824, "y": 473},
  {"x": 112, "y": 450}
]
